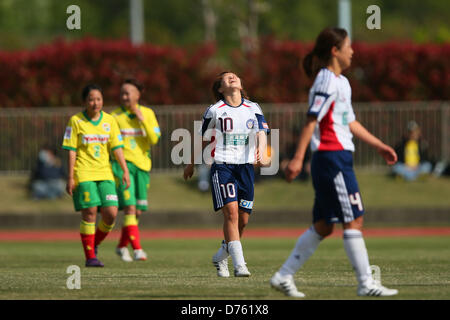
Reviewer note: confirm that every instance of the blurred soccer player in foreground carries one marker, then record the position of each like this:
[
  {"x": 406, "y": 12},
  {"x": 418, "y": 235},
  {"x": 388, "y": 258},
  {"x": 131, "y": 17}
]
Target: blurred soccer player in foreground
[{"x": 329, "y": 129}]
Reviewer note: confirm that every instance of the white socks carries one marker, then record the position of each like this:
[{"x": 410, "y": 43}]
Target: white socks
[
  {"x": 357, "y": 253},
  {"x": 222, "y": 253},
  {"x": 235, "y": 251},
  {"x": 306, "y": 244}
]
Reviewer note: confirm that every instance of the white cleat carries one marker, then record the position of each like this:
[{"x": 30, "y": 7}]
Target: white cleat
[
  {"x": 286, "y": 285},
  {"x": 222, "y": 268},
  {"x": 375, "y": 290},
  {"x": 242, "y": 271},
  {"x": 140, "y": 255},
  {"x": 124, "y": 254}
]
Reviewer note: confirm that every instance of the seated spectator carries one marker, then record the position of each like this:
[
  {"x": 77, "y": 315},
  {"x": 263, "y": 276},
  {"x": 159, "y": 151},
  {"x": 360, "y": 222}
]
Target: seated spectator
[
  {"x": 48, "y": 178},
  {"x": 412, "y": 156}
]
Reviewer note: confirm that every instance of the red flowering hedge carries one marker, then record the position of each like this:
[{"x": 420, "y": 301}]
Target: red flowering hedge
[
  {"x": 53, "y": 75},
  {"x": 384, "y": 72}
]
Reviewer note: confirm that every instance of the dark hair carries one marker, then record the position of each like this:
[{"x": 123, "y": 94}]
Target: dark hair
[
  {"x": 135, "y": 83},
  {"x": 88, "y": 89},
  {"x": 320, "y": 56},
  {"x": 218, "y": 83}
]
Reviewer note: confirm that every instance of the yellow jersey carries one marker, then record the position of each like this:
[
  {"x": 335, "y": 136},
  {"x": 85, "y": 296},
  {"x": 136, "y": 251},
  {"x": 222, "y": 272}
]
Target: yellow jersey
[
  {"x": 92, "y": 141},
  {"x": 138, "y": 136}
]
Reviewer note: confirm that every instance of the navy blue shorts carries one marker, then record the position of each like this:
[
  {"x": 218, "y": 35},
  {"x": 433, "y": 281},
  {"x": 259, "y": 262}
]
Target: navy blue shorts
[
  {"x": 337, "y": 196},
  {"x": 233, "y": 182}
]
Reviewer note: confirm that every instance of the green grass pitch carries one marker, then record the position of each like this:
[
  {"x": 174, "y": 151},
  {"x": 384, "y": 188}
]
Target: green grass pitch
[{"x": 182, "y": 269}]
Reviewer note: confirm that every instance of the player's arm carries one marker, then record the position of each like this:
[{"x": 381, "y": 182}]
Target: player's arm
[
  {"x": 295, "y": 165},
  {"x": 118, "y": 153},
  {"x": 70, "y": 186},
  {"x": 358, "y": 130},
  {"x": 149, "y": 124},
  {"x": 262, "y": 158}
]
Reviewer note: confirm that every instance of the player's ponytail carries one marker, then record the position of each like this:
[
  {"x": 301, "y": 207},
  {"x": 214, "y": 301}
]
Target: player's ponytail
[{"x": 320, "y": 56}]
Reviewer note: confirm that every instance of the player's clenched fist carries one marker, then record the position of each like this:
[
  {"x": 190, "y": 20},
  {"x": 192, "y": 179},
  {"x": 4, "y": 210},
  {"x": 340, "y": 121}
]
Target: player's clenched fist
[{"x": 293, "y": 169}]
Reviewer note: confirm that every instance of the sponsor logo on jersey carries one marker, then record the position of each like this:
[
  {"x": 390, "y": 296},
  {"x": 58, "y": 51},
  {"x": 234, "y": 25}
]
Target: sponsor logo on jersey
[
  {"x": 250, "y": 123},
  {"x": 235, "y": 139},
  {"x": 112, "y": 197},
  {"x": 246, "y": 204},
  {"x": 132, "y": 132},
  {"x": 265, "y": 126},
  {"x": 68, "y": 133},
  {"x": 95, "y": 138},
  {"x": 106, "y": 127}
]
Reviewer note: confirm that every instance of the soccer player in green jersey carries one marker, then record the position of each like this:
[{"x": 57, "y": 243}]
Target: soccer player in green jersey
[
  {"x": 140, "y": 130},
  {"x": 89, "y": 137}
]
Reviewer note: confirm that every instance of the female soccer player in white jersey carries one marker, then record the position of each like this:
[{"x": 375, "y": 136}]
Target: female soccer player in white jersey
[
  {"x": 239, "y": 129},
  {"x": 329, "y": 129},
  {"x": 89, "y": 137}
]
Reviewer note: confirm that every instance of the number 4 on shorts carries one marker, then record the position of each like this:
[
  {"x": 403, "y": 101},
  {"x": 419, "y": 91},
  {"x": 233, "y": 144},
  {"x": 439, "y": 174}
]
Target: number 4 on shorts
[{"x": 355, "y": 200}]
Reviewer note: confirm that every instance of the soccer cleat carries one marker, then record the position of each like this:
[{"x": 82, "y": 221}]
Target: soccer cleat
[
  {"x": 94, "y": 262},
  {"x": 222, "y": 268},
  {"x": 241, "y": 271},
  {"x": 140, "y": 255},
  {"x": 286, "y": 285},
  {"x": 124, "y": 254},
  {"x": 375, "y": 290}
]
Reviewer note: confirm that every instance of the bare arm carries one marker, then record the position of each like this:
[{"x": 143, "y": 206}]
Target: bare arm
[
  {"x": 383, "y": 149},
  {"x": 295, "y": 165},
  {"x": 70, "y": 186},
  {"x": 262, "y": 158},
  {"x": 118, "y": 153}
]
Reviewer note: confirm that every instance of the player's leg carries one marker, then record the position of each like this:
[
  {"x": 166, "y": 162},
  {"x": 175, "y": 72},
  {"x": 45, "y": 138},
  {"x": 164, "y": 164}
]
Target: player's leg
[
  {"x": 86, "y": 199},
  {"x": 142, "y": 184},
  {"x": 308, "y": 242},
  {"x": 108, "y": 210},
  {"x": 125, "y": 197},
  {"x": 354, "y": 244},
  {"x": 87, "y": 233},
  {"x": 243, "y": 221},
  {"x": 231, "y": 234}
]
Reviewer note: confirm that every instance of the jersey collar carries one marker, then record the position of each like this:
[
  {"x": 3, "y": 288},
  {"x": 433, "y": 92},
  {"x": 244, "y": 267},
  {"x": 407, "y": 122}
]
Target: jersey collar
[
  {"x": 128, "y": 113},
  {"x": 225, "y": 101},
  {"x": 95, "y": 123}
]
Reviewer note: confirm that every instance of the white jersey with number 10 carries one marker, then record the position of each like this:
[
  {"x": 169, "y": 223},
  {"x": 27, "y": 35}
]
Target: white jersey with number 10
[{"x": 234, "y": 130}]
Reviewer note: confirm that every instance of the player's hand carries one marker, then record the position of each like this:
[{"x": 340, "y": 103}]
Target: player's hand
[
  {"x": 188, "y": 171},
  {"x": 388, "y": 154},
  {"x": 137, "y": 112},
  {"x": 126, "y": 179},
  {"x": 70, "y": 186},
  {"x": 293, "y": 169}
]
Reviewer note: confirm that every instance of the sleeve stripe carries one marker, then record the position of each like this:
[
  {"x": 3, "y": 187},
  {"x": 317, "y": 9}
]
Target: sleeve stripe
[
  {"x": 69, "y": 148},
  {"x": 117, "y": 147}
]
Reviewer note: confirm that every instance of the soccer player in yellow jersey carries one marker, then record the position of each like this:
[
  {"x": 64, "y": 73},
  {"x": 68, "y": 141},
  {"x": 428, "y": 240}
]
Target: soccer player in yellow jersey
[
  {"x": 140, "y": 130},
  {"x": 90, "y": 136}
]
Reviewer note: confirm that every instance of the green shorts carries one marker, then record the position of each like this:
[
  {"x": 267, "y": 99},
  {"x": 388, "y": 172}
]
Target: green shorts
[
  {"x": 90, "y": 194},
  {"x": 136, "y": 194}
]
